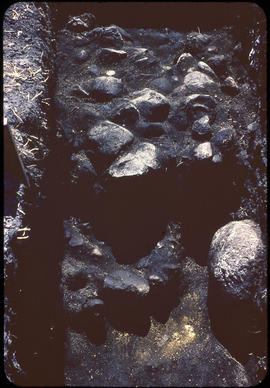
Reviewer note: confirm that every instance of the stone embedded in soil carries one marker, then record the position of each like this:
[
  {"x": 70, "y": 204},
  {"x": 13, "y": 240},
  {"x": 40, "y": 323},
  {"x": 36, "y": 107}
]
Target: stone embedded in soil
[
  {"x": 126, "y": 282},
  {"x": 107, "y": 37},
  {"x": 185, "y": 62},
  {"x": 76, "y": 241},
  {"x": 136, "y": 162},
  {"x": 218, "y": 63},
  {"x": 179, "y": 119},
  {"x": 203, "y": 151},
  {"x": 162, "y": 84},
  {"x": 110, "y": 55},
  {"x": 152, "y": 105},
  {"x": 105, "y": 88},
  {"x": 197, "y": 81},
  {"x": 206, "y": 69},
  {"x": 82, "y": 165},
  {"x": 109, "y": 138},
  {"x": 126, "y": 113},
  {"x": 149, "y": 130},
  {"x": 201, "y": 127},
  {"x": 81, "y": 55},
  {"x": 236, "y": 258},
  {"x": 81, "y": 23},
  {"x": 204, "y": 99},
  {"x": 224, "y": 138},
  {"x": 230, "y": 87},
  {"x": 197, "y": 41}
]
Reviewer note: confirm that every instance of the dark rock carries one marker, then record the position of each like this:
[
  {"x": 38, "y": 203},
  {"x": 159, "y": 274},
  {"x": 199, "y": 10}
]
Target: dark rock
[
  {"x": 81, "y": 55},
  {"x": 162, "y": 84},
  {"x": 151, "y": 129},
  {"x": 94, "y": 307},
  {"x": 206, "y": 69},
  {"x": 199, "y": 82},
  {"x": 179, "y": 119},
  {"x": 185, "y": 62},
  {"x": 105, "y": 88},
  {"x": 93, "y": 70},
  {"x": 137, "y": 162},
  {"x": 81, "y": 23},
  {"x": 236, "y": 258},
  {"x": 152, "y": 105},
  {"x": 204, "y": 99},
  {"x": 212, "y": 50},
  {"x": 82, "y": 171},
  {"x": 109, "y": 55},
  {"x": 203, "y": 151},
  {"x": 146, "y": 61},
  {"x": 107, "y": 37},
  {"x": 109, "y": 138},
  {"x": 200, "y": 104},
  {"x": 76, "y": 241},
  {"x": 217, "y": 158},
  {"x": 197, "y": 41},
  {"x": 218, "y": 63},
  {"x": 126, "y": 36},
  {"x": 230, "y": 87},
  {"x": 126, "y": 282},
  {"x": 224, "y": 138},
  {"x": 201, "y": 128},
  {"x": 127, "y": 113}
]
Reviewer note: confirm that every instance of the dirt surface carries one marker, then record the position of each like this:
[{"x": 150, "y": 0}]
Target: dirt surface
[{"x": 147, "y": 141}]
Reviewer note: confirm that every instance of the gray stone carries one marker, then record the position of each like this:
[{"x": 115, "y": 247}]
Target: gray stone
[
  {"x": 151, "y": 129},
  {"x": 126, "y": 282},
  {"x": 105, "y": 88},
  {"x": 127, "y": 113},
  {"x": 76, "y": 241},
  {"x": 206, "y": 69},
  {"x": 110, "y": 55},
  {"x": 224, "y": 138},
  {"x": 236, "y": 259},
  {"x": 197, "y": 81},
  {"x": 109, "y": 138},
  {"x": 152, "y": 105},
  {"x": 82, "y": 171},
  {"x": 218, "y": 63},
  {"x": 162, "y": 84},
  {"x": 203, "y": 151},
  {"x": 201, "y": 127},
  {"x": 137, "y": 162},
  {"x": 185, "y": 62},
  {"x": 81, "y": 23},
  {"x": 230, "y": 87},
  {"x": 107, "y": 37},
  {"x": 204, "y": 99},
  {"x": 81, "y": 55}
]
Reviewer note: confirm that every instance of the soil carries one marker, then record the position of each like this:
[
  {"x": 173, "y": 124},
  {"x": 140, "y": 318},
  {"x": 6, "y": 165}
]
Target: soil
[{"x": 156, "y": 225}]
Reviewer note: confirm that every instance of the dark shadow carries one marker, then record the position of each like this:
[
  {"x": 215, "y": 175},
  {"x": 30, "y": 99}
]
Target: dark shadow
[
  {"x": 93, "y": 327},
  {"x": 132, "y": 217},
  {"x": 238, "y": 325}
]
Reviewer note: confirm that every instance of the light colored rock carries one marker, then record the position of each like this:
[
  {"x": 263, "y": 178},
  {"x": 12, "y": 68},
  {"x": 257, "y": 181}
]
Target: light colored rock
[
  {"x": 197, "y": 81},
  {"x": 152, "y": 105},
  {"x": 236, "y": 258},
  {"x": 203, "y": 151},
  {"x": 185, "y": 62},
  {"x": 136, "y": 162},
  {"x": 206, "y": 69}
]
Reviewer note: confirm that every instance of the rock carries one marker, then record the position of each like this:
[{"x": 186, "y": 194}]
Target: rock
[
  {"x": 81, "y": 23},
  {"x": 230, "y": 87},
  {"x": 126, "y": 36},
  {"x": 81, "y": 55},
  {"x": 107, "y": 37},
  {"x": 109, "y": 55},
  {"x": 105, "y": 88},
  {"x": 236, "y": 258},
  {"x": 76, "y": 241},
  {"x": 83, "y": 170},
  {"x": 127, "y": 113},
  {"x": 93, "y": 70},
  {"x": 162, "y": 84},
  {"x": 109, "y": 138},
  {"x": 224, "y": 138},
  {"x": 197, "y": 81},
  {"x": 137, "y": 162},
  {"x": 152, "y": 105},
  {"x": 204, "y": 99},
  {"x": 126, "y": 283},
  {"x": 151, "y": 129},
  {"x": 217, "y": 158},
  {"x": 201, "y": 128},
  {"x": 212, "y": 50},
  {"x": 185, "y": 62},
  {"x": 179, "y": 119},
  {"x": 198, "y": 105},
  {"x": 203, "y": 151},
  {"x": 206, "y": 69},
  {"x": 218, "y": 63},
  {"x": 197, "y": 41}
]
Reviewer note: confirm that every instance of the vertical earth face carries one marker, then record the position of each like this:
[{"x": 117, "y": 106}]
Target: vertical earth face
[{"x": 151, "y": 152}]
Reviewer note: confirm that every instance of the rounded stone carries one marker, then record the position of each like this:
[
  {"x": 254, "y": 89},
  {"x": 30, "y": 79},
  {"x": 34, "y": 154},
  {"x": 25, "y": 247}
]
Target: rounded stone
[
  {"x": 201, "y": 127},
  {"x": 185, "y": 62},
  {"x": 105, "y": 88},
  {"x": 197, "y": 81}
]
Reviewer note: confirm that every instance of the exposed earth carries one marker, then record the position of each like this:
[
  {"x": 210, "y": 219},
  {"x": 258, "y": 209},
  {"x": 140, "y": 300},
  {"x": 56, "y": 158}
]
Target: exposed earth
[{"x": 138, "y": 255}]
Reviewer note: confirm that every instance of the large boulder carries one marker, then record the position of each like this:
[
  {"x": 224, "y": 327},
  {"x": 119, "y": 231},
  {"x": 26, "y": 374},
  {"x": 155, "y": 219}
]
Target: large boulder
[{"x": 237, "y": 289}]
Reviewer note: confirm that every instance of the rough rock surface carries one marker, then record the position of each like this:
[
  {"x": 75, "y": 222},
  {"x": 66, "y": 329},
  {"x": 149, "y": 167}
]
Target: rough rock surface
[{"x": 152, "y": 105}]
